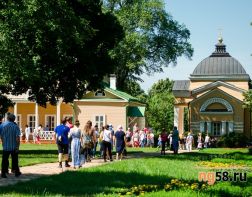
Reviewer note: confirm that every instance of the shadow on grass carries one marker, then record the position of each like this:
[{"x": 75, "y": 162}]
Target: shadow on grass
[{"x": 91, "y": 183}]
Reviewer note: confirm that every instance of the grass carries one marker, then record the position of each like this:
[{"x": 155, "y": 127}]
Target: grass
[{"x": 129, "y": 175}]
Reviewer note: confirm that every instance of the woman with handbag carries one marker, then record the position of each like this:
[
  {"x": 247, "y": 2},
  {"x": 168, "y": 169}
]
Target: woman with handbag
[{"x": 88, "y": 138}]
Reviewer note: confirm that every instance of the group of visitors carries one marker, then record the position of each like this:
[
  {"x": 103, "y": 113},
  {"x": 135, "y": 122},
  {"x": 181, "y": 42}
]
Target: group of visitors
[
  {"x": 139, "y": 138},
  {"x": 35, "y": 134},
  {"x": 83, "y": 142}
]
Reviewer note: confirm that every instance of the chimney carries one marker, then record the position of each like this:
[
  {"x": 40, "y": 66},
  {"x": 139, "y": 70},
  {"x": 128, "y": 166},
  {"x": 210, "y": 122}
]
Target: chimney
[{"x": 112, "y": 81}]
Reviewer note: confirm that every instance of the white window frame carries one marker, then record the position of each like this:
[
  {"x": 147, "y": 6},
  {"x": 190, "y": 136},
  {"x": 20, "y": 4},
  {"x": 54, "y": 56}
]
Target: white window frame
[
  {"x": 28, "y": 121},
  {"x": 19, "y": 123},
  {"x": 99, "y": 122},
  {"x": 55, "y": 121}
]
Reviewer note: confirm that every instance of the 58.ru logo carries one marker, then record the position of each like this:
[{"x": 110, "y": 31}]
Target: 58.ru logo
[{"x": 212, "y": 177}]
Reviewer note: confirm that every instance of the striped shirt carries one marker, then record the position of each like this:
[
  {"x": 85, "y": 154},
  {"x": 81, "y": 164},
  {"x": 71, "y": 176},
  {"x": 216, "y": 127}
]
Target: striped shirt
[{"x": 9, "y": 131}]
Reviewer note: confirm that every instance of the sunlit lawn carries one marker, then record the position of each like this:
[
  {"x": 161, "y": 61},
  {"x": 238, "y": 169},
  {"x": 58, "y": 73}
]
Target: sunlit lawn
[{"x": 151, "y": 175}]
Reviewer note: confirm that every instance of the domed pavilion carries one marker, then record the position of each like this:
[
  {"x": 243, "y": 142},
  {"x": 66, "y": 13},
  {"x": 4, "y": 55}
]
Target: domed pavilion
[{"x": 213, "y": 96}]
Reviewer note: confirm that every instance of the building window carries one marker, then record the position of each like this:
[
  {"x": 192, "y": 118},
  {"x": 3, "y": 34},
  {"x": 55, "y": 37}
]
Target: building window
[
  {"x": 100, "y": 121},
  {"x": 31, "y": 121},
  {"x": 99, "y": 93},
  {"x": 50, "y": 122},
  {"x": 216, "y": 127},
  {"x": 18, "y": 121}
]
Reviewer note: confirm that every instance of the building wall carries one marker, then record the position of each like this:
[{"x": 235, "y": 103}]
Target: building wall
[
  {"x": 25, "y": 109},
  {"x": 115, "y": 113},
  {"x": 237, "y": 117}
]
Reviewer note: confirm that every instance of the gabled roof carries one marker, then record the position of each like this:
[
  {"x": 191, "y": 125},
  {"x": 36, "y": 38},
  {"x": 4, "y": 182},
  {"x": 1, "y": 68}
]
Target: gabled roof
[
  {"x": 215, "y": 85},
  {"x": 212, "y": 91}
]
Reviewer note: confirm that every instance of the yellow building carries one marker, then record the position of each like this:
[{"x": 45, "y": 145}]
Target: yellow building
[
  {"x": 214, "y": 96},
  {"x": 108, "y": 106}
]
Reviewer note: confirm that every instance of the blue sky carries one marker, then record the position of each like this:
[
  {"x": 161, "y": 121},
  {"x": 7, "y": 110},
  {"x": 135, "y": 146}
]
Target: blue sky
[{"x": 203, "y": 18}]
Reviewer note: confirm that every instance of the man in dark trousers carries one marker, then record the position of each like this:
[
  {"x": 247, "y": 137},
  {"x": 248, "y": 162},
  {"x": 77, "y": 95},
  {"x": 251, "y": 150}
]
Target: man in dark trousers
[
  {"x": 10, "y": 136},
  {"x": 61, "y": 132}
]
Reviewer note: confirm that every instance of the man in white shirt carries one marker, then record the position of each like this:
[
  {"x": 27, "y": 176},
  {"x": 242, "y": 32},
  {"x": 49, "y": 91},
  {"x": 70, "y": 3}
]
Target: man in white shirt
[{"x": 106, "y": 140}]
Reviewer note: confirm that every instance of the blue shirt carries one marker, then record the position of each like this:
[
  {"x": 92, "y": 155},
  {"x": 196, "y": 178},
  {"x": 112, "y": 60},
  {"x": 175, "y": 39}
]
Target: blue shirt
[
  {"x": 9, "y": 132},
  {"x": 62, "y": 130}
]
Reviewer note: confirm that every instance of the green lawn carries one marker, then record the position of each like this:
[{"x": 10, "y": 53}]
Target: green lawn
[{"x": 170, "y": 175}]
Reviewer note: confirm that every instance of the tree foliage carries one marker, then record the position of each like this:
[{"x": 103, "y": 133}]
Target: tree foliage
[
  {"x": 54, "y": 49},
  {"x": 247, "y": 100},
  {"x": 134, "y": 89},
  {"x": 153, "y": 39},
  {"x": 160, "y": 104}
]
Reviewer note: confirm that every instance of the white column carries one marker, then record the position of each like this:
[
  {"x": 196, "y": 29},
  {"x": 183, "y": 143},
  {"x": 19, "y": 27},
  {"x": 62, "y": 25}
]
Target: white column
[
  {"x": 230, "y": 127},
  {"x": 202, "y": 126},
  {"x": 58, "y": 111},
  {"x": 176, "y": 116},
  {"x": 36, "y": 115},
  {"x": 15, "y": 110},
  {"x": 223, "y": 127},
  {"x": 209, "y": 128}
]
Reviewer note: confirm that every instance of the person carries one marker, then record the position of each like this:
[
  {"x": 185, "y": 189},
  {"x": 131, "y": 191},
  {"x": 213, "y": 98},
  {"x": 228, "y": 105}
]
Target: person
[
  {"x": 200, "y": 141},
  {"x": 106, "y": 140},
  {"x": 88, "y": 138},
  {"x": 113, "y": 134},
  {"x": 75, "y": 134},
  {"x": 151, "y": 139},
  {"x": 159, "y": 144},
  {"x": 120, "y": 142},
  {"x": 70, "y": 125},
  {"x": 169, "y": 141},
  {"x": 46, "y": 128},
  {"x": 175, "y": 140},
  {"x": 27, "y": 133},
  {"x": 207, "y": 140},
  {"x": 38, "y": 132},
  {"x": 182, "y": 141},
  {"x": 128, "y": 136},
  {"x": 100, "y": 141},
  {"x": 189, "y": 141},
  {"x": 61, "y": 132},
  {"x": 135, "y": 138},
  {"x": 164, "y": 138},
  {"x": 96, "y": 133},
  {"x": 142, "y": 138},
  {"x": 10, "y": 136}
]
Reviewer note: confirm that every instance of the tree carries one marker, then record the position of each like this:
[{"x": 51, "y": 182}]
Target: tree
[
  {"x": 247, "y": 103},
  {"x": 55, "y": 49},
  {"x": 134, "y": 89},
  {"x": 159, "y": 111},
  {"x": 152, "y": 38},
  {"x": 160, "y": 105}
]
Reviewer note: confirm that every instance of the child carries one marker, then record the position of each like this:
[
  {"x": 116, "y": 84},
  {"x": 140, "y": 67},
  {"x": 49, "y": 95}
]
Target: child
[{"x": 159, "y": 142}]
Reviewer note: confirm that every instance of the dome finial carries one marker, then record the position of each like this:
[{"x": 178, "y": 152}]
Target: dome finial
[{"x": 220, "y": 39}]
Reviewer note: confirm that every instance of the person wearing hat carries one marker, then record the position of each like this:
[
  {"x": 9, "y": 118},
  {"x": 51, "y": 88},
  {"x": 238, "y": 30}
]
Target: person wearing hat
[{"x": 10, "y": 136}]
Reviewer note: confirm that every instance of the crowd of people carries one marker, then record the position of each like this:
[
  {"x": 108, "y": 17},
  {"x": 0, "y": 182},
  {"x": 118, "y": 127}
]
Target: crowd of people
[{"x": 80, "y": 145}]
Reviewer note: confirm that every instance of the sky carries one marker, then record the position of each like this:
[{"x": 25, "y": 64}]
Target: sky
[{"x": 204, "y": 18}]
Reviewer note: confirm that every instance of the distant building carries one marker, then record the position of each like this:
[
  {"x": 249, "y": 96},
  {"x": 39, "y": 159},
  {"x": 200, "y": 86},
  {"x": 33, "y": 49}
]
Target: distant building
[
  {"x": 214, "y": 96},
  {"x": 108, "y": 106}
]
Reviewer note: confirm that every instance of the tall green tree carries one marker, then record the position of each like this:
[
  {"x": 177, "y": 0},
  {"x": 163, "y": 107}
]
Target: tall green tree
[
  {"x": 133, "y": 88},
  {"x": 55, "y": 49},
  {"x": 160, "y": 105},
  {"x": 153, "y": 39},
  {"x": 247, "y": 103}
]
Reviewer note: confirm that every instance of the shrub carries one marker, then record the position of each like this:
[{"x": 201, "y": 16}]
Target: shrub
[{"x": 232, "y": 140}]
